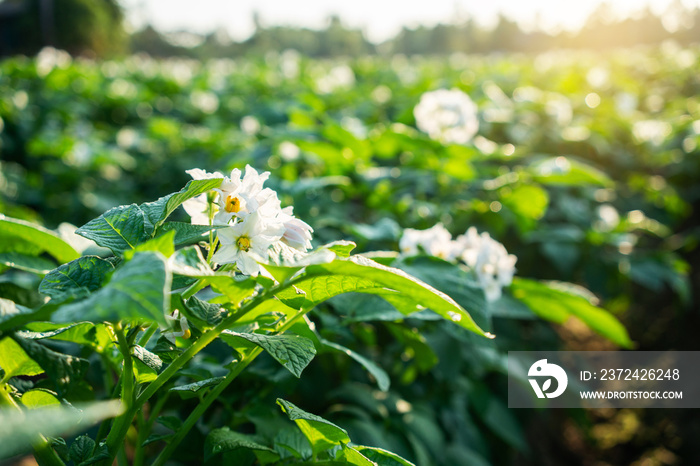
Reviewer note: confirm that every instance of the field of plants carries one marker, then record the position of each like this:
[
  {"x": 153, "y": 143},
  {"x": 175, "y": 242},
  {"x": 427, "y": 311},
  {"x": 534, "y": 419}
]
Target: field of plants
[{"x": 161, "y": 302}]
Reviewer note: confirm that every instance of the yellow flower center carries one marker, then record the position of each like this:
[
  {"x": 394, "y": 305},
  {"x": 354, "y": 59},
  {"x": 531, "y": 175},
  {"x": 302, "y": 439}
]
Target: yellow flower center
[
  {"x": 243, "y": 243},
  {"x": 233, "y": 204}
]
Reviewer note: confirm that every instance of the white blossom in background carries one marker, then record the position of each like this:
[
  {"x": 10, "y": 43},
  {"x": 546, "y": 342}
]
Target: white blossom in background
[
  {"x": 608, "y": 218},
  {"x": 49, "y": 58},
  {"x": 435, "y": 241},
  {"x": 448, "y": 116},
  {"x": 652, "y": 131},
  {"x": 289, "y": 63},
  {"x": 484, "y": 256},
  {"x": 289, "y": 151},
  {"x": 255, "y": 219},
  {"x": 339, "y": 77},
  {"x": 494, "y": 267},
  {"x": 250, "y": 125}
]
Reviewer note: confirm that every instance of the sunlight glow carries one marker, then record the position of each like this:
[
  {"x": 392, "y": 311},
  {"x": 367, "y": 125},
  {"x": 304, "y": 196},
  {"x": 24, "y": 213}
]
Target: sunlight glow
[{"x": 380, "y": 19}]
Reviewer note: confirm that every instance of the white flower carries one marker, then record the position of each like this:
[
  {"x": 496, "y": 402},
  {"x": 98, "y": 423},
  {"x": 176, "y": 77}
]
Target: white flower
[
  {"x": 289, "y": 151},
  {"x": 246, "y": 242},
  {"x": 449, "y": 116},
  {"x": 339, "y": 77},
  {"x": 250, "y": 125},
  {"x": 239, "y": 197},
  {"x": 435, "y": 241},
  {"x": 297, "y": 233},
  {"x": 198, "y": 209},
  {"x": 470, "y": 243},
  {"x": 176, "y": 319},
  {"x": 494, "y": 268},
  {"x": 487, "y": 258},
  {"x": 199, "y": 174}
]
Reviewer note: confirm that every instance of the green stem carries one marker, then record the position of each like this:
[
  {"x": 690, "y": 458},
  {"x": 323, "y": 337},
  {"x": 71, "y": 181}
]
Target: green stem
[
  {"x": 143, "y": 341},
  {"x": 128, "y": 381},
  {"x": 43, "y": 452},
  {"x": 146, "y": 427},
  {"x": 214, "y": 395},
  {"x": 122, "y": 423},
  {"x": 193, "y": 289}
]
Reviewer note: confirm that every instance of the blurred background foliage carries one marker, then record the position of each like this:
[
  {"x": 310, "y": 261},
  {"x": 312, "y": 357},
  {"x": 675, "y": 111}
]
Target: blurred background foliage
[{"x": 586, "y": 166}]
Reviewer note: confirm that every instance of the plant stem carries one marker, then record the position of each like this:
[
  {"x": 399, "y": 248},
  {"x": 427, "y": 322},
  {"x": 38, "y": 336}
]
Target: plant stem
[
  {"x": 214, "y": 394},
  {"x": 122, "y": 423},
  {"x": 43, "y": 452},
  {"x": 128, "y": 379},
  {"x": 203, "y": 405},
  {"x": 145, "y": 429},
  {"x": 143, "y": 341}
]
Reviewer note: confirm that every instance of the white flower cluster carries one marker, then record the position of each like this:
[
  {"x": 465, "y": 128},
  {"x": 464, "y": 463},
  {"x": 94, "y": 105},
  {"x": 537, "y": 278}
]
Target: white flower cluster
[
  {"x": 448, "y": 116},
  {"x": 254, "y": 215},
  {"x": 487, "y": 258}
]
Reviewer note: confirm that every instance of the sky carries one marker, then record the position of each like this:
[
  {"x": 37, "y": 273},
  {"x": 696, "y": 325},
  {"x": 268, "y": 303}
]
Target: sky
[{"x": 380, "y": 19}]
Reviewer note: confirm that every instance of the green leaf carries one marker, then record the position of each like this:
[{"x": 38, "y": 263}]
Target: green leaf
[
  {"x": 81, "y": 449},
  {"x": 163, "y": 244},
  {"x": 149, "y": 359},
  {"x": 15, "y": 361},
  {"x": 118, "y": 229},
  {"x": 364, "y": 275},
  {"x": 19, "y": 430},
  {"x": 383, "y": 457},
  {"x": 207, "y": 313},
  {"x": 170, "y": 422},
  {"x": 377, "y": 372},
  {"x": 189, "y": 262},
  {"x": 225, "y": 440},
  {"x": 64, "y": 371},
  {"x": 85, "y": 273},
  {"x": 95, "y": 336},
  {"x": 186, "y": 233},
  {"x": 290, "y": 442},
  {"x": 292, "y": 351},
  {"x": 322, "y": 434},
  {"x": 101, "y": 454},
  {"x": 190, "y": 390},
  {"x": 527, "y": 201},
  {"x": 60, "y": 447},
  {"x": 363, "y": 307},
  {"x": 341, "y": 248},
  {"x": 556, "y": 301},
  {"x": 27, "y": 263},
  {"x": 157, "y": 211},
  {"x": 234, "y": 288},
  {"x": 453, "y": 281},
  {"x": 12, "y": 315},
  {"x": 24, "y": 237},
  {"x": 39, "y": 398},
  {"x": 352, "y": 456},
  {"x": 567, "y": 172},
  {"x": 140, "y": 289}
]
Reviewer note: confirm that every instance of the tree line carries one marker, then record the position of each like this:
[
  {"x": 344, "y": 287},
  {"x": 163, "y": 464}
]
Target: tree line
[{"x": 96, "y": 28}]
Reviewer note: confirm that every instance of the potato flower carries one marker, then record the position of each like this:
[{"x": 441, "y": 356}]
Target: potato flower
[
  {"x": 246, "y": 243},
  {"x": 449, "y": 116},
  {"x": 254, "y": 216},
  {"x": 488, "y": 259}
]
